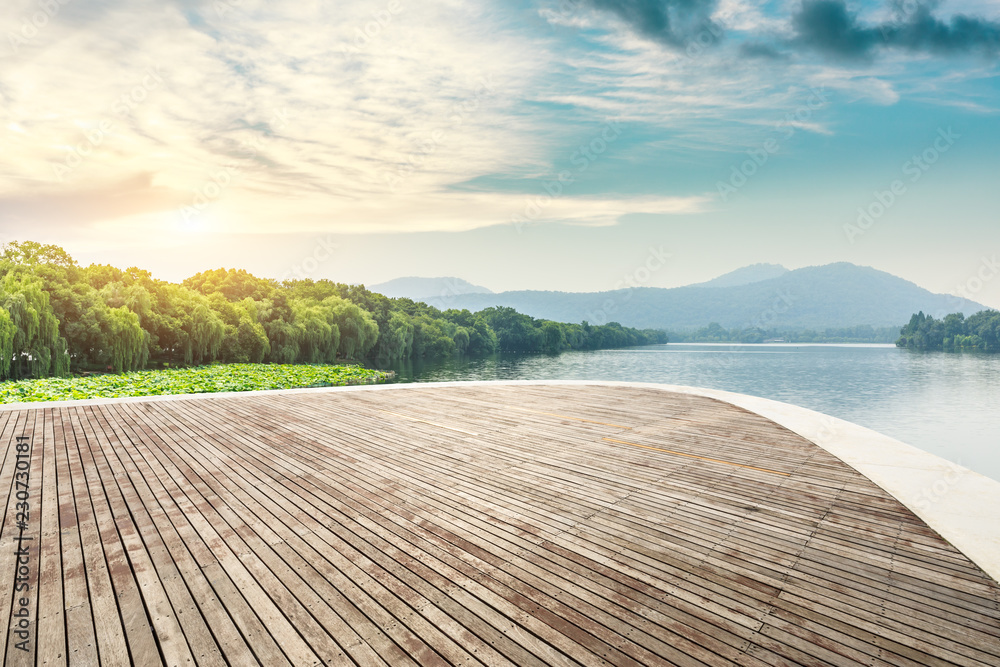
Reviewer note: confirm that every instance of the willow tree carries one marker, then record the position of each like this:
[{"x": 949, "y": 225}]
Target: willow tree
[
  {"x": 284, "y": 340},
  {"x": 395, "y": 338},
  {"x": 358, "y": 330},
  {"x": 128, "y": 347},
  {"x": 37, "y": 348},
  {"x": 461, "y": 338},
  {"x": 204, "y": 331},
  {"x": 275, "y": 315},
  {"x": 317, "y": 336},
  {"x": 250, "y": 343},
  {"x": 7, "y": 332}
]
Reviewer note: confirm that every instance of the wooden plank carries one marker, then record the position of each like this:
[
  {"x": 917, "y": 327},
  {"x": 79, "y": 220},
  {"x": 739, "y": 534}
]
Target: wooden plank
[
  {"x": 694, "y": 649},
  {"x": 112, "y": 643},
  {"x": 539, "y": 581},
  {"x": 24, "y": 517},
  {"x": 81, "y": 637},
  {"x": 180, "y": 630},
  {"x": 150, "y": 623},
  {"x": 209, "y": 628},
  {"x": 495, "y": 602},
  {"x": 282, "y": 521},
  {"x": 52, "y": 648},
  {"x": 251, "y": 610},
  {"x": 14, "y": 425},
  {"x": 186, "y": 549},
  {"x": 475, "y": 525},
  {"x": 280, "y": 567}
]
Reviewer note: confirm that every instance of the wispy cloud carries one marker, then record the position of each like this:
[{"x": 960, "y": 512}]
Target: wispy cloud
[
  {"x": 266, "y": 116},
  {"x": 151, "y": 119}
]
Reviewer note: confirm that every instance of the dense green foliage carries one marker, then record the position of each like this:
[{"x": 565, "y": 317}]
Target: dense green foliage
[
  {"x": 979, "y": 332},
  {"x": 59, "y": 317},
  {"x": 714, "y": 333},
  {"x": 204, "y": 379}
]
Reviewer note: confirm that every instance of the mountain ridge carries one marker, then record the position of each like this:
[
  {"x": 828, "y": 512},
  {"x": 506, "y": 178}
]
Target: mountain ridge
[
  {"x": 746, "y": 275},
  {"x": 816, "y": 297},
  {"x": 423, "y": 289}
]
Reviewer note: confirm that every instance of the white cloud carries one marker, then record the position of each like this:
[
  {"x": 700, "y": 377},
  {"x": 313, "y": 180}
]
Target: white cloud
[
  {"x": 243, "y": 116},
  {"x": 156, "y": 118},
  {"x": 747, "y": 16},
  {"x": 310, "y": 106}
]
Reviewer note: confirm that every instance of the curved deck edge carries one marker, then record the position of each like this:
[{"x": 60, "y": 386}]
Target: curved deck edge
[{"x": 961, "y": 505}]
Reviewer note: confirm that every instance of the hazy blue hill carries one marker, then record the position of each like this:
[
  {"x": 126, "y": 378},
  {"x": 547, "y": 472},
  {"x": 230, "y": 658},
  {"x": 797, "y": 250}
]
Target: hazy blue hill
[
  {"x": 754, "y": 273},
  {"x": 816, "y": 297},
  {"x": 423, "y": 289}
]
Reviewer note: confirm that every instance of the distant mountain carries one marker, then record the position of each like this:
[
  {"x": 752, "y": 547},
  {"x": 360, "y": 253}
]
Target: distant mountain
[
  {"x": 754, "y": 273},
  {"x": 815, "y": 297},
  {"x": 438, "y": 292}
]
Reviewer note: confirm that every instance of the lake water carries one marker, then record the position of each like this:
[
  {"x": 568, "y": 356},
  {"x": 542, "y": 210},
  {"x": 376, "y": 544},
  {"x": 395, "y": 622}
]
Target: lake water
[{"x": 946, "y": 404}]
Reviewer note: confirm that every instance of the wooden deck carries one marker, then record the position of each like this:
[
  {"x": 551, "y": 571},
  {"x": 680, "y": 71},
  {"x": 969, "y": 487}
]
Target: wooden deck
[{"x": 525, "y": 525}]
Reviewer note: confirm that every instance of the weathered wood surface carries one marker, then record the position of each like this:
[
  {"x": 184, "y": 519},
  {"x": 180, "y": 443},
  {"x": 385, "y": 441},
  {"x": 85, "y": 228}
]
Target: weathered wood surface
[{"x": 526, "y": 525}]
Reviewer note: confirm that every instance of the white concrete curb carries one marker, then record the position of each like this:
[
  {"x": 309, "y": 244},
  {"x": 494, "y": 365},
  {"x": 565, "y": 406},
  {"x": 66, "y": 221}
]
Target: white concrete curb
[{"x": 961, "y": 505}]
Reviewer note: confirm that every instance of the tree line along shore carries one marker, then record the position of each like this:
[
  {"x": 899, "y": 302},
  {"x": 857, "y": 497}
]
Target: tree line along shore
[
  {"x": 953, "y": 332},
  {"x": 60, "y": 318}
]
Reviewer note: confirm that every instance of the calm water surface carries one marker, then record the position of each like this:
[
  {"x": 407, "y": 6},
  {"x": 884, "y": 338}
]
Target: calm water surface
[{"x": 946, "y": 404}]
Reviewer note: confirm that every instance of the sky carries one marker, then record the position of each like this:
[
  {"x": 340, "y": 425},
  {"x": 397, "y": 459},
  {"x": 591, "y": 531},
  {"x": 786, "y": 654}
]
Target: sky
[{"x": 519, "y": 144}]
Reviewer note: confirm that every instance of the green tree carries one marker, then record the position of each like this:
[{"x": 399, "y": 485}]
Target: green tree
[
  {"x": 38, "y": 349},
  {"x": 985, "y": 325},
  {"x": 32, "y": 253},
  {"x": 482, "y": 338},
  {"x": 980, "y": 331},
  {"x": 129, "y": 343},
  {"x": 515, "y": 331},
  {"x": 395, "y": 340},
  {"x": 99, "y": 275},
  {"x": 251, "y": 341},
  {"x": 554, "y": 340},
  {"x": 461, "y": 339},
  {"x": 56, "y": 313},
  {"x": 317, "y": 335},
  {"x": 232, "y": 284},
  {"x": 7, "y": 333},
  {"x": 358, "y": 330},
  {"x": 203, "y": 334},
  {"x": 433, "y": 338}
]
